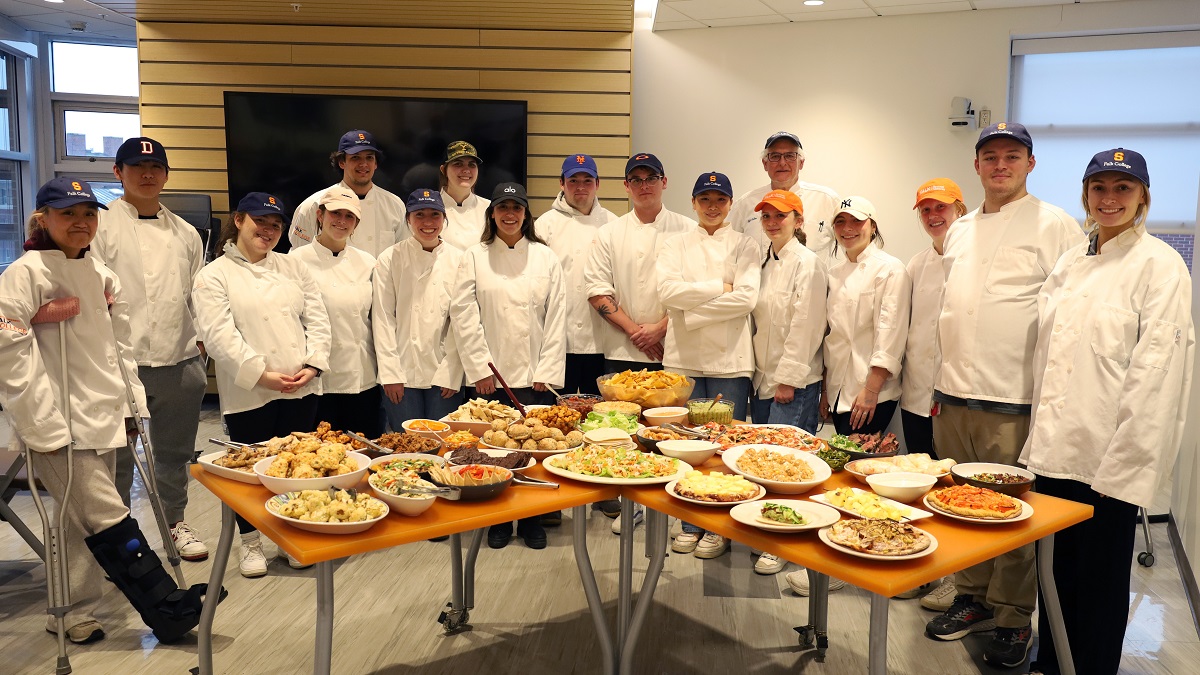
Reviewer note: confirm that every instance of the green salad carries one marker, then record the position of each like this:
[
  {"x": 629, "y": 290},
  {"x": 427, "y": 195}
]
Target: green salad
[
  {"x": 844, "y": 443},
  {"x": 610, "y": 420},
  {"x": 836, "y": 459}
]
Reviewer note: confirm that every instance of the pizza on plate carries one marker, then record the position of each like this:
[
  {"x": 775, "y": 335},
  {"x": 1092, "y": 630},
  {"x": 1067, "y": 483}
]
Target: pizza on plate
[
  {"x": 879, "y": 537},
  {"x": 974, "y": 502}
]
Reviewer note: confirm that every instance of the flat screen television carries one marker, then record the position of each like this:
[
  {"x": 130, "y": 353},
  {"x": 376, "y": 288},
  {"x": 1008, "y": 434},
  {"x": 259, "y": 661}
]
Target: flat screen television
[{"x": 280, "y": 143}]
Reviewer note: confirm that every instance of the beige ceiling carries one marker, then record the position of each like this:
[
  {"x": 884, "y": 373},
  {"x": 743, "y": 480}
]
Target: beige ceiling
[{"x": 62, "y": 18}]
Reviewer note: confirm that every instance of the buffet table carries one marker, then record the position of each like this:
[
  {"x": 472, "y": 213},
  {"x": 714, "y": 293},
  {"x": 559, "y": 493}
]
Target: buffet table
[
  {"x": 446, "y": 518},
  {"x": 960, "y": 545}
]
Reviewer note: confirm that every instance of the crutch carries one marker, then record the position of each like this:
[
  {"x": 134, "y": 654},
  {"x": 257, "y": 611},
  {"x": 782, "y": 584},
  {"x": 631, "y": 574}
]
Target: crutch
[{"x": 58, "y": 587}]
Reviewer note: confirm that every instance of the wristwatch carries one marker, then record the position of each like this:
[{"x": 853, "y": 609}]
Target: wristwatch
[{"x": 319, "y": 371}]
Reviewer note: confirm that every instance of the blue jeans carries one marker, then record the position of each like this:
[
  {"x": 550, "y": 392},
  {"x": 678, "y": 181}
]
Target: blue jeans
[
  {"x": 420, "y": 404},
  {"x": 801, "y": 412},
  {"x": 736, "y": 390}
]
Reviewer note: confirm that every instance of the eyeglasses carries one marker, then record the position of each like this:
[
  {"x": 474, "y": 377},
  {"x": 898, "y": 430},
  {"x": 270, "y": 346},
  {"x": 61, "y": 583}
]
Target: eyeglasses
[
  {"x": 782, "y": 156},
  {"x": 649, "y": 181}
]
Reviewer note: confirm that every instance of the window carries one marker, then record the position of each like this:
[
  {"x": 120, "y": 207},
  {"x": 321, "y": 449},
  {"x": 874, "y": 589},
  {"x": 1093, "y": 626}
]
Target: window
[
  {"x": 14, "y": 164},
  {"x": 76, "y": 66}
]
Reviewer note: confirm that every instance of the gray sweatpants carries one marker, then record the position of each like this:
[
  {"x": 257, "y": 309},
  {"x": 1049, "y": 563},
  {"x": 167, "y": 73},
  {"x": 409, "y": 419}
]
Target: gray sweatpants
[
  {"x": 95, "y": 506},
  {"x": 173, "y": 394}
]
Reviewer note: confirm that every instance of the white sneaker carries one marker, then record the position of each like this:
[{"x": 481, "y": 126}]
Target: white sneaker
[
  {"x": 254, "y": 561},
  {"x": 940, "y": 598},
  {"x": 187, "y": 543},
  {"x": 798, "y": 580},
  {"x": 292, "y": 562},
  {"x": 638, "y": 517},
  {"x": 711, "y": 546},
  {"x": 914, "y": 592},
  {"x": 685, "y": 542},
  {"x": 769, "y": 564}
]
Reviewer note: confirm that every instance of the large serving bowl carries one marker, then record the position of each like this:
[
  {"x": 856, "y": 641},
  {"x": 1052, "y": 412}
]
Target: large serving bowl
[
  {"x": 965, "y": 474},
  {"x": 668, "y": 415},
  {"x": 705, "y": 410},
  {"x": 281, "y": 485},
  {"x": 647, "y": 398},
  {"x": 442, "y": 427},
  {"x": 414, "y": 456},
  {"x": 694, "y": 452},
  {"x": 279, "y": 500},
  {"x": 477, "y": 428},
  {"x": 821, "y": 470},
  {"x": 903, "y": 486},
  {"x": 478, "y": 493},
  {"x": 406, "y": 506}
]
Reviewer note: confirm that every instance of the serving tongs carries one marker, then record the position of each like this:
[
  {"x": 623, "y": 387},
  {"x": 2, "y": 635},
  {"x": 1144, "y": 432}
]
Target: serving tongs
[
  {"x": 451, "y": 493},
  {"x": 237, "y": 446},
  {"x": 533, "y": 482},
  {"x": 511, "y": 396},
  {"x": 369, "y": 443},
  {"x": 670, "y": 426}
]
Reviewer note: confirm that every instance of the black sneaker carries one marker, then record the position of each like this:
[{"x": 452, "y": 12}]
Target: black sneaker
[
  {"x": 532, "y": 532},
  {"x": 610, "y": 507},
  {"x": 1009, "y": 647},
  {"x": 498, "y": 535},
  {"x": 552, "y": 519},
  {"x": 964, "y": 616}
]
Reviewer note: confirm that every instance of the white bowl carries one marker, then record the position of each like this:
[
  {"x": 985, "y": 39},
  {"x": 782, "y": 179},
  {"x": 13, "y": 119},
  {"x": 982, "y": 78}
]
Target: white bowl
[
  {"x": 322, "y": 528},
  {"x": 670, "y": 415},
  {"x": 477, "y": 428},
  {"x": 694, "y": 452},
  {"x": 427, "y": 434},
  {"x": 821, "y": 470},
  {"x": 407, "y": 506},
  {"x": 903, "y": 486},
  {"x": 436, "y": 459},
  {"x": 283, "y": 485}
]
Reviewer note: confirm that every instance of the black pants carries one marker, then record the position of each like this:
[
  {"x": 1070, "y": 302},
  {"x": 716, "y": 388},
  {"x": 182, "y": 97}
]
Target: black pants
[
  {"x": 918, "y": 433},
  {"x": 883, "y": 417},
  {"x": 277, "y": 418},
  {"x": 617, "y": 366},
  {"x": 526, "y": 395},
  {"x": 360, "y": 413},
  {"x": 582, "y": 371},
  {"x": 1091, "y": 573}
]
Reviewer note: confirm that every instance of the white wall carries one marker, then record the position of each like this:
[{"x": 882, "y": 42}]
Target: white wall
[{"x": 869, "y": 99}]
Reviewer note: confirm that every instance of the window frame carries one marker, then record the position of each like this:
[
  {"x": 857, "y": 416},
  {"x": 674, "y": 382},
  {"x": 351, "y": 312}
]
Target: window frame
[{"x": 22, "y": 108}]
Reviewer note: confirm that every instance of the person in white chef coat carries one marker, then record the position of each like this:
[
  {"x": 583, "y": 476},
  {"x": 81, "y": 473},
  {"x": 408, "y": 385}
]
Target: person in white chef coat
[
  {"x": 157, "y": 255},
  {"x": 465, "y": 210},
  {"x": 996, "y": 259},
  {"x": 265, "y": 327},
  {"x": 1112, "y": 374},
  {"x": 350, "y": 397},
  {"x": 56, "y": 265},
  {"x": 783, "y": 160},
  {"x": 708, "y": 279},
  {"x": 382, "y": 222},
  {"x": 419, "y": 366},
  {"x": 509, "y": 309}
]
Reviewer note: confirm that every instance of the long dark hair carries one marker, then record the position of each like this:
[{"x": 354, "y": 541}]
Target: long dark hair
[
  {"x": 489, "y": 232},
  {"x": 229, "y": 231}
]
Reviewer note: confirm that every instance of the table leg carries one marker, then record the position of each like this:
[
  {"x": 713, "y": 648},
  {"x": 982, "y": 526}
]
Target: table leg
[
  {"x": 655, "y": 523},
  {"x": 469, "y": 578},
  {"x": 213, "y": 597},
  {"x": 590, "y": 589},
  {"x": 625, "y": 573},
  {"x": 815, "y": 633},
  {"x": 1053, "y": 609},
  {"x": 454, "y": 617},
  {"x": 323, "y": 651},
  {"x": 877, "y": 639}
]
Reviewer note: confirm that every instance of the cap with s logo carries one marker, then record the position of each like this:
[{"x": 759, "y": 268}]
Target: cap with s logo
[
  {"x": 580, "y": 163},
  {"x": 713, "y": 181},
  {"x": 514, "y": 192},
  {"x": 356, "y": 141},
  {"x": 1012, "y": 130},
  {"x": 425, "y": 198},
  {"x": 140, "y": 149},
  {"x": 1124, "y": 161},
  {"x": 61, "y": 192},
  {"x": 263, "y": 204}
]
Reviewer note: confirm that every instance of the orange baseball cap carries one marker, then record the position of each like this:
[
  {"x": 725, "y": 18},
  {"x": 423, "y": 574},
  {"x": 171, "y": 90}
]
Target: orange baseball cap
[
  {"x": 784, "y": 200},
  {"x": 942, "y": 189}
]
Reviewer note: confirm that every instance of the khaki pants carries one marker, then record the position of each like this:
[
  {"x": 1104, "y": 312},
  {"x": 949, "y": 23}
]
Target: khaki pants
[
  {"x": 95, "y": 506},
  {"x": 1007, "y": 584}
]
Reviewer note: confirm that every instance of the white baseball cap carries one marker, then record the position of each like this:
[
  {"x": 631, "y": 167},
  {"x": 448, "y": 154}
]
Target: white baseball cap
[
  {"x": 859, "y": 207},
  {"x": 339, "y": 198}
]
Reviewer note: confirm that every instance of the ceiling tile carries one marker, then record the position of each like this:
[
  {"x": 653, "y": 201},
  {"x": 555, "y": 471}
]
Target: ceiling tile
[
  {"x": 747, "y": 20},
  {"x": 1009, "y": 4},
  {"x": 678, "y": 25},
  {"x": 831, "y": 15},
  {"x": 701, "y": 10},
  {"x": 925, "y": 8},
  {"x": 797, "y": 6},
  {"x": 665, "y": 13}
]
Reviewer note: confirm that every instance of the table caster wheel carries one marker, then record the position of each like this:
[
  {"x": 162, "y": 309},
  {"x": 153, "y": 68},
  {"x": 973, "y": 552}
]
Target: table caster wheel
[
  {"x": 1146, "y": 559},
  {"x": 807, "y": 636},
  {"x": 454, "y": 620}
]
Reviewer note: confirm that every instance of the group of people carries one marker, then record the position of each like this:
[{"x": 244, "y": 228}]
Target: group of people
[{"x": 1016, "y": 337}]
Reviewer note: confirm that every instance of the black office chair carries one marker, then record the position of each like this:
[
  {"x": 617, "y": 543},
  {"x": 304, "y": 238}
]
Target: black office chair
[{"x": 196, "y": 209}]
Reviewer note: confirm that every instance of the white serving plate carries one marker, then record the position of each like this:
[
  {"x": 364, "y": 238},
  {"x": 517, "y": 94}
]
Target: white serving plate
[
  {"x": 914, "y": 512},
  {"x": 821, "y": 470},
  {"x": 670, "y": 487},
  {"x": 322, "y": 528},
  {"x": 206, "y": 462},
  {"x": 823, "y": 534},
  {"x": 818, "y": 515},
  {"x": 491, "y": 451},
  {"x": 1026, "y": 514},
  {"x": 681, "y": 469}
]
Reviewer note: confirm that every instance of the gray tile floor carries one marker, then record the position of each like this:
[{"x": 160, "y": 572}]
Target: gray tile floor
[{"x": 712, "y": 616}]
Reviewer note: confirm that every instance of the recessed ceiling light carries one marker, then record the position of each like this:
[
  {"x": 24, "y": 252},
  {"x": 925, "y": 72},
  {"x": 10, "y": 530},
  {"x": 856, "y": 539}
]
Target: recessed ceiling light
[
  {"x": 814, "y": 3},
  {"x": 55, "y": 1}
]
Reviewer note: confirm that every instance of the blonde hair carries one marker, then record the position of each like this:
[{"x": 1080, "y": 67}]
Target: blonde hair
[
  {"x": 960, "y": 210},
  {"x": 34, "y": 222},
  {"x": 1139, "y": 218}
]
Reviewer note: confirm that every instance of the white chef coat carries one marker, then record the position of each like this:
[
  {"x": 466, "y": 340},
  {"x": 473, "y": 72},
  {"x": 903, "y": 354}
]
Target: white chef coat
[
  {"x": 789, "y": 320},
  {"x": 570, "y": 233},
  {"x": 922, "y": 356},
  {"x": 1113, "y": 367},
  {"x": 623, "y": 263},
  {"x": 31, "y": 369},
  {"x": 157, "y": 261},
  {"x": 411, "y": 314},
  {"x": 708, "y": 330},
  {"x": 869, "y": 303},
  {"x": 464, "y": 224},
  {"x": 382, "y": 223},
  {"x": 344, "y": 281},
  {"x": 995, "y": 265},
  {"x": 819, "y": 202},
  {"x": 255, "y": 317},
  {"x": 509, "y": 308}
]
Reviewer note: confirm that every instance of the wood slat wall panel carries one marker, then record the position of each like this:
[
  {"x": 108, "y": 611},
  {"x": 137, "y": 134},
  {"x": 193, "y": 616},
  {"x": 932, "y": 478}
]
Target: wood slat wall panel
[{"x": 577, "y": 85}]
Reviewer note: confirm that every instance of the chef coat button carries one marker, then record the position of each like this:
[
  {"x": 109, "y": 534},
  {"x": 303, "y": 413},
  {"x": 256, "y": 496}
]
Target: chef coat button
[
  {"x": 1085, "y": 294},
  {"x": 985, "y": 261},
  {"x": 970, "y": 312},
  {"x": 1044, "y": 401},
  {"x": 293, "y": 345},
  {"x": 266, "y": 317},
  {"x": 99, "y": 311},
  {"x": 641, "y": 255},
  {"x": 1058, "y": 328},
  {"x": 933, "y": 322},
  {"x": 172, "y": 272},
  {"x": 273, "y": 350},
  {"x": 579, "y": 288},
  {"x": 1049, "y": 364},
  {"x": 579, "y": 324},
  {"x": 334, "y": 284},
  {"x": 862, "y": 266},
  {"x": 1060, "y": 405},
  {"x": 1077, "y": 331},
  {"x": 1069, "y": 369}
]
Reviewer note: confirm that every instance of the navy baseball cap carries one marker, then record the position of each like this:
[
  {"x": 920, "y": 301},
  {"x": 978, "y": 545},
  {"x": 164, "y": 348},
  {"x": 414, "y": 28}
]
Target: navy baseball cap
[
  {"x": 579, "y": 164},
  {"x": 63, "y": 191},
  {"x": 138, "y": 149},
  {"x": 510, "y": 191},
  {"x": 425, "y": 199},
  {"x": 262, "y": 204},
  {"x": 1119, "y": 160},
  {"x": 647, "y": 160},
  {"x": 717, "y": 182},
  {"x": 1012, "y": 130},
  {"x": 783, "y": 135},
  {"x": 357, "y": 140}
]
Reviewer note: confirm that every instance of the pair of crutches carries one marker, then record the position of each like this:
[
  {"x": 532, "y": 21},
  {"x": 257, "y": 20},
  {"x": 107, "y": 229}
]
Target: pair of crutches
[{"x": 58, "y": 586}]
